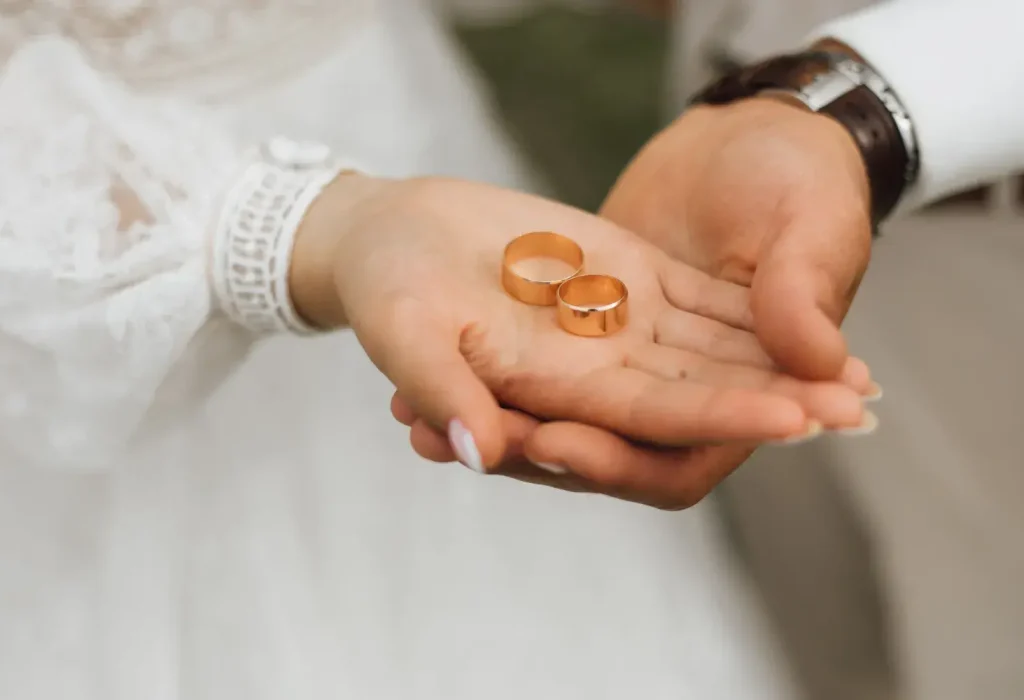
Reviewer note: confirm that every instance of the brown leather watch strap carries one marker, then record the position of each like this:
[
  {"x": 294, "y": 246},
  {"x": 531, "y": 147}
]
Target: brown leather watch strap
[
  {"x": 880, "y": 146},
  {"x": 791, "y": 71}
]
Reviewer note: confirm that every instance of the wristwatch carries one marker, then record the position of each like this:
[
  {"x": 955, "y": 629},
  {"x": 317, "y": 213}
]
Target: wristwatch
[{"x": 841, "y": 85}]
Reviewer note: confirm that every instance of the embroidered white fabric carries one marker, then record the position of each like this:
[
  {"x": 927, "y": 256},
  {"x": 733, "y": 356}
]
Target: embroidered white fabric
[
  {"x": 253, "y": 243},
  {"x": 108, "y": 197},
  {"x": 104, "y": 219},
  {"x": 155, "y": 41}
]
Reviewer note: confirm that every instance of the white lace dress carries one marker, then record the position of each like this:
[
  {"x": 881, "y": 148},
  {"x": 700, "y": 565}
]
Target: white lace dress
[{"x": 187, "y": 515}]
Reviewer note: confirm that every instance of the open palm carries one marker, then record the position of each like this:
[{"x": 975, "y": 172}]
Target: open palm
[{"x": 419, "y": 277}]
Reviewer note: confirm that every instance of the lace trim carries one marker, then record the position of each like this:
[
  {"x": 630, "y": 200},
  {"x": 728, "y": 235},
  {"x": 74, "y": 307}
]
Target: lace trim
[
  {"x": 253, "y": 244},
  {"x": 106, "y": 204},
  {"x": 156, "y": 42}
]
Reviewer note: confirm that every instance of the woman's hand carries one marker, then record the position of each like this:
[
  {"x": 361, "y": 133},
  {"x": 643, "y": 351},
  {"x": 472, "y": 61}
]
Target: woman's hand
[{"x": 417, "y": 273}]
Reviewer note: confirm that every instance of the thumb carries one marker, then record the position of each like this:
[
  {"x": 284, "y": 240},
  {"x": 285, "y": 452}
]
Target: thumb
[
  {"x": 422, "y": 359},
  {"x": 802, "y": 290}
]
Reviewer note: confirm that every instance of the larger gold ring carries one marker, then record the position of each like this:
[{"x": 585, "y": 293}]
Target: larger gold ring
[
  {"x": 540, "y": 244},
  {"x": 593, "y": 305}
]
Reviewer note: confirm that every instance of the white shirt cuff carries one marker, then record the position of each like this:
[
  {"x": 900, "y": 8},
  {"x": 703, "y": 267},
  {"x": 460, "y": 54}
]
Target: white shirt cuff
[{"x": 957, "y": 66}]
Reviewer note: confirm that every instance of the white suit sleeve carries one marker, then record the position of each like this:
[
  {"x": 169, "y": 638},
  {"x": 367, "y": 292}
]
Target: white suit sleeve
[
  {"x": 107, "y": 201},
  {"x": 958, "y": 67}
]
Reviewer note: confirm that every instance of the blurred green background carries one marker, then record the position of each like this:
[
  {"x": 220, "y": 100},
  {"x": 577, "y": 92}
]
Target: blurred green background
[{"x": 580, "y": 92}]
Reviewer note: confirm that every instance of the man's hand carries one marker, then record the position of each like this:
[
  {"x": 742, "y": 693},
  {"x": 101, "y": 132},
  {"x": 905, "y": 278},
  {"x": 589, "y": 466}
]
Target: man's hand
[{"x": 767, "y": 195}]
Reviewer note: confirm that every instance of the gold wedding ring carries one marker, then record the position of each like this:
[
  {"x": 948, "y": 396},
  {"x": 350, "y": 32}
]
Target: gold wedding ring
[
  {"x": 593, "y": 305},
  {"x": 539, "y": 245}
]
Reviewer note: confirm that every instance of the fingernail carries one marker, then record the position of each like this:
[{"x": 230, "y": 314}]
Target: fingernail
[
  {"x": 868, "y": 425},
  {"x": 465, "y": 446},
  {"x": 875, "y": 393},
  {"x": 555, "y": 469},
  {"x": 814, "y": 429}
]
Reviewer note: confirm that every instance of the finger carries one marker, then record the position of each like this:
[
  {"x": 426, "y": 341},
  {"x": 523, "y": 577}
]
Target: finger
[
  {"x": 690, "y": 289},
  {"x": 716, "y": 340},
  {"x": 688, "y": 331},
  {"x": 580, "y": 458},
  {"x": 857, "y": 374},
  {"x": 652, "y": 409},
  {"x": 431, "y": 444},
  {"x": 608, "y": 464},
  {"x": 435, "y": 446},
  {"x": 420, "y": 355},
  {"x": 834, "y": 404},
  {"x": 803, "y": 289},
  {"x": 402, "y": 411}
]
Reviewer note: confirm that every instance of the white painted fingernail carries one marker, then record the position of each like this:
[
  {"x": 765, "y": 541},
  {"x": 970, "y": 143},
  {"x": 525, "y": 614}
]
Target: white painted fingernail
[
  {"x": 875, "y": 394},
  {"x": 465, "y": 446},
  {"x": 551, "y": 468},
  {"x": 814, "y": 430},
  {"x": 868, "y": 425}
]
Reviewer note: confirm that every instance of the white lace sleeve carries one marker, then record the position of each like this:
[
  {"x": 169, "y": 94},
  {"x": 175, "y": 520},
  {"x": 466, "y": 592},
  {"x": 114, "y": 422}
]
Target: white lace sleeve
[{"x": 107, "y": 201}]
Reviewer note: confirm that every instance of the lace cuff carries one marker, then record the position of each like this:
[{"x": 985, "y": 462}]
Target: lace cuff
[{"x": 252, "y": 245}]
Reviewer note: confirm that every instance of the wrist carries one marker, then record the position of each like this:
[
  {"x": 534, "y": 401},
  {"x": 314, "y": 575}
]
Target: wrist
[
  {"x": 319, "y": 248},
  {"x": 263, "y": 277}
]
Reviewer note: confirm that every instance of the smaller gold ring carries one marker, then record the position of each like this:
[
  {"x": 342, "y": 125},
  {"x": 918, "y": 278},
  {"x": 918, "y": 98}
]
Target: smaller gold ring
[
  {"x": 593, "y": 305},
  {"x": 539, "y": 244}
]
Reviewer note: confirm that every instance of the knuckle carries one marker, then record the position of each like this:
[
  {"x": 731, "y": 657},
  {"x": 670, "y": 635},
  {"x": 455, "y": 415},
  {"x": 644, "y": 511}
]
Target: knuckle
[
  {"x": 494, "y": 353},
  {"x": 737, "y": 266},
  {"x": 475, "y": 345},
  {"x": 685, "y": 498},
  {"x": 615, "y": 481}
]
